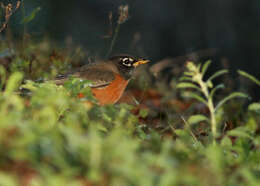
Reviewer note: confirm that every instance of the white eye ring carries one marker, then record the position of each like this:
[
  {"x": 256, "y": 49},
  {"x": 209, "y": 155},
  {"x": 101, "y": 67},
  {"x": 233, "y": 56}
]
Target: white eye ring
[
  {"x": 127, "y": 64},
  {"x": 126, "y": 61}
]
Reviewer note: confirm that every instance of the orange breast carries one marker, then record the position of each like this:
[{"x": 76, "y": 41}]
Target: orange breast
[{"x": 111, "y": 93}]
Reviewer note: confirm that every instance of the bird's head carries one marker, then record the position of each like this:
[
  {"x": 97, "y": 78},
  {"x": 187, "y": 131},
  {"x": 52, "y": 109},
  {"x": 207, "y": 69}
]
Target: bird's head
[{"x": 126, "y": 64}]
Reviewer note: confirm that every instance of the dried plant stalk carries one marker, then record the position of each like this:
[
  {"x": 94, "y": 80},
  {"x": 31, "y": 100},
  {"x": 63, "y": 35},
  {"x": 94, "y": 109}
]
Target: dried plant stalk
[
  {"x": 9, "y": 12},
  {"x": 123, "y": 14},
  {"x": 123, "y": 17}
]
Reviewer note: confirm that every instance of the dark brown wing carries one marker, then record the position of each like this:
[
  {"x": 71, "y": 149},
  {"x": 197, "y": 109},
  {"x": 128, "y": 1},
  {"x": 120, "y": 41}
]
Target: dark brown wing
[{"x": 98, "y": 74}]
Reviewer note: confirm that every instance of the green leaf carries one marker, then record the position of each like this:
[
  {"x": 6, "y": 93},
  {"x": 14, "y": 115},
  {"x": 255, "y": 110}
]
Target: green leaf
[
  {"x": 231, "y": 96},
  {"x": 181, "y": 132},
  {"x": 254, "y": 107},
  {"x": 188, "y": 73},
  {"x": 205, "y": 67},
  {"x": 141, "y": 132},
  {"x": 252, "y": 124},
  {"x": 13, "y": 82},
  {"x": 143, "y": 113},
  {"x": 252, "y": 78},
  {"x": 196, "y": 96},
  {"x": 185, "y": 78},
  {"x": 197, "y": 118},
  {"x": 191, "y": 67},
  {"x": 212, "y": 92},
  {"x": 240, "y": 132},
  {"x": 188, "y": 85},
  {"x": 102, "y": 128},
  {"x": 226, "y": 142},
  {"x": 209, "y": 84},
  {"x": 218, "y": 73},
  {"x": 30, "y": 17},
  {"x": 30, "y": 85}
]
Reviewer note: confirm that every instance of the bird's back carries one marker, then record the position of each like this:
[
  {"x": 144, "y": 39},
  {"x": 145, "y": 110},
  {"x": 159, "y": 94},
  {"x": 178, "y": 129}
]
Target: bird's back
[{"x": 100, "y": 74}]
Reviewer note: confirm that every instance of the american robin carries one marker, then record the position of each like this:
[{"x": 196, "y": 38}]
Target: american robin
[{"x": 108, "y": 78}]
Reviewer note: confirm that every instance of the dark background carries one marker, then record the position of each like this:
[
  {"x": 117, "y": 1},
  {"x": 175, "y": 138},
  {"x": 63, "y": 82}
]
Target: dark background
[{"x": 166, "y": 28}]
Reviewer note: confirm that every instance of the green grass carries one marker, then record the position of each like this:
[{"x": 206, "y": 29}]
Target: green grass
[
  {"x": 179, "y": 133},
  {"x": 49, "y": 137},
  {"x": 186, "y": 132}
]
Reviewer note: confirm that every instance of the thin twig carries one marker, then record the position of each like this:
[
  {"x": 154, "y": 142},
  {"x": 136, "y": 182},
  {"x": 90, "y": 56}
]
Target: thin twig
[
  {"x": 113, "y": 40},
  {"x": 123, "y": 16},
  {"x": 8, "y": 13},
  {"x": 189, "y": 128}
]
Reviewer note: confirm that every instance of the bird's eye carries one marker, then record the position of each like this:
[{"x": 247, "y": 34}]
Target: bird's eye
[{"x": 127, "y": 61}]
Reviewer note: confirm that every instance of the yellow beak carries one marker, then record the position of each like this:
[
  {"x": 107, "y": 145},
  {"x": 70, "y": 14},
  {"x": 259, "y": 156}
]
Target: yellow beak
[{"x": 141, "y": 61}]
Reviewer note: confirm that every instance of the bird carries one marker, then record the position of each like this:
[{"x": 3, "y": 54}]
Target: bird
[{"x": 109, "y": 78}]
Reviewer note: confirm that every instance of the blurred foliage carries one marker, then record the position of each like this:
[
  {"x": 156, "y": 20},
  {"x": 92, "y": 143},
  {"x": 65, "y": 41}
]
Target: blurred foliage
[
  {"x": 30, "y": 17},
  {"x": 50, "y": 137}
]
